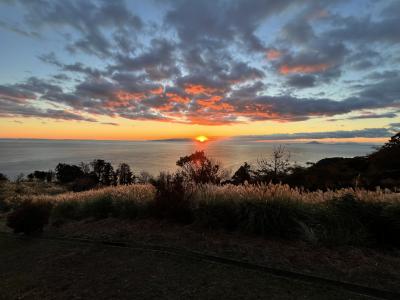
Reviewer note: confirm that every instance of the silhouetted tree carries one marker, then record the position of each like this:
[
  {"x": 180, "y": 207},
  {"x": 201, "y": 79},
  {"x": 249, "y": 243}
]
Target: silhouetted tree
[
  {"x": 198, "y": 168},
  {"x": 124, "y": 174},
  {"x": 107, "y": 176},
  {"x": 41, "y": 176},
  {"x": 243, "y": 174},
  {"x": 393, "y": 143},
  {"x": 19, "y": 178},
  {"x": 103, "y": 171},
  {"x": 384, "y": 164},
  {"x": 66, "y": 173},
  {"x": 144, "y": 177},
  {"x": 276, "y": 167},
  {"x": 3, "y": 177},
  {"x": 49, "y": 176},
  {"x": 85, "y": 167}
]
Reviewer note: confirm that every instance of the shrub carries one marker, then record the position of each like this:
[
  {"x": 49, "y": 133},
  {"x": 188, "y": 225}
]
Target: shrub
[
  {"x": 172, "y": 198},
  {"x": 30, "y": 217},
  {"x": 84, "y": 183},
  {"x": 65, "y": 210},
  {"x": 349, "y": 220},
  {"x": 389, "y": 231},
  {"x": 218, "y": 215},
  {"x": 99, "y": 207},
  {"x": 279, "y": 217}
]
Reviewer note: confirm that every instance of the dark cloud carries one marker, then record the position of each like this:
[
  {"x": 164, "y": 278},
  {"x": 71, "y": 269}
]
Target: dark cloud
[
  {"x": 362, "y": 133},
  {"x": 215, "y": 22},
  {"x": 368, "y": 115},
  {"x": 88, "y": 18},
  {"x": 110, "y": 123},
  {"x": 158, "y": 61},
  {"x": 374, "y": 116},
  {"x": 301, "y": 81},
  {"x": 394, "y": 127},
  {"x": 367, "y": 30},
  {"x": 19, "y": 30},
  {"x": 9, "y": 109}
]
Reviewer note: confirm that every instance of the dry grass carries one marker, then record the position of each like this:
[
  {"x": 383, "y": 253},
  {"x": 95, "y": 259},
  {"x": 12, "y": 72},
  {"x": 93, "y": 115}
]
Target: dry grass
[
  {"x": 344, "y": 216},
  {"x": 268, "y": 192}
]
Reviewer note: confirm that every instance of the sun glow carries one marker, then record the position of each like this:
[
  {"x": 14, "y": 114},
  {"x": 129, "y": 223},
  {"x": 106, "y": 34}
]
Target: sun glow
[{"x": 201, "y": 138}]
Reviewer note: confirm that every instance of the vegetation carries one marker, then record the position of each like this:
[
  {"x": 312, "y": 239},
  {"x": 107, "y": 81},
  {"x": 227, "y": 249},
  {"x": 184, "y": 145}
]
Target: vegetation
[
  {"x": 320, "y": 204},
  {"x": 199, "y": 169},
  {"x": 346, "y": 216},
  {"x": 29, "y": 217}
]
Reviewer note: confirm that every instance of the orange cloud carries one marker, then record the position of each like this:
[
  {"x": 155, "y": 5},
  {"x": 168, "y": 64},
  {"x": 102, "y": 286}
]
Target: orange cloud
[
  {"x": 286, "y": 69},
  {"x": 194, "y": 89},
  {"x": 273, "y": 54},
  {"x": 157, "y": 91},
  {"x": 122, "y": 95},
  {"x": 172, "y": 97},
  {"x": 213, "y": 103}
]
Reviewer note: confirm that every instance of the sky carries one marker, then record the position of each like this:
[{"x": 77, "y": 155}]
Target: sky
[{"x": 159, "y": 69}]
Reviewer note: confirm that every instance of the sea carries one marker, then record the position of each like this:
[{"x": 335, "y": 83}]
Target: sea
[{"x": 27, "y": 155}]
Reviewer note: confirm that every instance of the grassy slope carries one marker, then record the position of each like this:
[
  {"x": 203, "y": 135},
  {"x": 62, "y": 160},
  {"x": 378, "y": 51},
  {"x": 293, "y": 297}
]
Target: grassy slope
[{"x": 39, "y": 269}]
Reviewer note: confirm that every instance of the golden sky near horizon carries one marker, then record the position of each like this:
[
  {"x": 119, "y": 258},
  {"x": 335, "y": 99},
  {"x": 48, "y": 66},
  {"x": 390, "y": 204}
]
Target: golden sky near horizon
[{"x": 147, "y": 130}]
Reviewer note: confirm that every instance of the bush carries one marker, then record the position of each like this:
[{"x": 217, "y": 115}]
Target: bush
[
  {"x": 389, "y": 230},
  {"x": 350, "y": 220},
  {"x": 218, "y": 215},
  {"x": 100, "y": 207},
  {"x": 30, "y": 217},
  {"x": 84, "y": 183},
  {"x": 65, "y": 210},
  {"x": 172, "y": 198},
  {"x": 277, "y": 217}
]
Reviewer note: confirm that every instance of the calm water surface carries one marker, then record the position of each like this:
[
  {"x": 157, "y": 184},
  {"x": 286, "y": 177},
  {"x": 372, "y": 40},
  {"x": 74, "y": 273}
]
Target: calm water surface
[{"x": 25, "y": 156}]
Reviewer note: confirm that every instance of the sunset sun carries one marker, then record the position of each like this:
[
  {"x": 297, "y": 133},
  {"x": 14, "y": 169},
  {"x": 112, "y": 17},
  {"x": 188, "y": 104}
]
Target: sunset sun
[{"x": 201, "y": 138}]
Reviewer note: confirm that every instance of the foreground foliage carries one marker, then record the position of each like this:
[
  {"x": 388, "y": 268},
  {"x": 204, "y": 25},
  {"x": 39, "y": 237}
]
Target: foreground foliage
[{"x": 346, "y": 216}]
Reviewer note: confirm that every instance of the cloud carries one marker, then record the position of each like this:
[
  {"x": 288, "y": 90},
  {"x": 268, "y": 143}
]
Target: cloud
[
  {"x": 314, "y": 68},
  {"x": 208, "y": 62},
  {"x": 110, "y": 123},
  {"x": 224, "y": 20},
  {"x": 362, "y": 133},
  {"x": 394, "y": 127},
  {"x": 367, "y": 115},
  {"x": 18, "y": 30},
  {"x": 88, "y": 18},
  {"x": 301, "y": 81},
  {"x": 273, "y": 54},
  {"x": 9, "y": 110}
]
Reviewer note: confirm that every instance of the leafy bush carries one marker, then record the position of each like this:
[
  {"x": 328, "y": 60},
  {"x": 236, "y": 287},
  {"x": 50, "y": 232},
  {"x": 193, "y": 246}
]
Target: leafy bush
[{"x": 30, "y": 217}]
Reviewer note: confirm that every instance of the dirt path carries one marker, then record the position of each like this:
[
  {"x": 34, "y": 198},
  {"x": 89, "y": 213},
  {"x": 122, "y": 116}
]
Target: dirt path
[{"x": 46, "y": 269}]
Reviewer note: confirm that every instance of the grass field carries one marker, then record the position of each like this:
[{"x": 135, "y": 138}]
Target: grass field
[{"x": 346, "y": 216}]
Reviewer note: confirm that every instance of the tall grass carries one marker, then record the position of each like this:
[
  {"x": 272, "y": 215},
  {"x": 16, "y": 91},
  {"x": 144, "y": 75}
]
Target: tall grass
[
  {"x": 344, "y": 216},
  {"x": 126, "y": 201}
]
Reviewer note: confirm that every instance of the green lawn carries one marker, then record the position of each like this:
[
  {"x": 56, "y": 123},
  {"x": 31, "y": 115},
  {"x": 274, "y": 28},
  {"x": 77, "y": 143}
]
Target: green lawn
[{"x": 44, "y": 269}]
